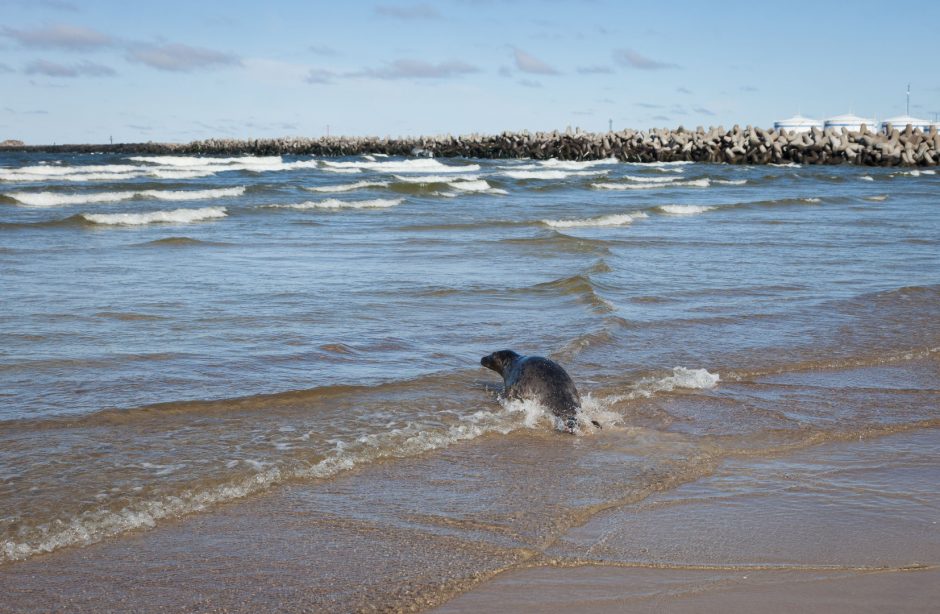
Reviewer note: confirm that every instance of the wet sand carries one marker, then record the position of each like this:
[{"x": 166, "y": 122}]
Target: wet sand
[
  {"x": 830, "y": 529},
  {"x": 610, "y": 589},
  {"x": 650, "y": 524}
]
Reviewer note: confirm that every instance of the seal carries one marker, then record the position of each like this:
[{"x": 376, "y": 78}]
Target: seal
[{"x": 540, "y": 379}]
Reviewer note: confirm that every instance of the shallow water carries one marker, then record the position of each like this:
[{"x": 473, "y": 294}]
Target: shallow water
[{"x": 180, "y": 332}]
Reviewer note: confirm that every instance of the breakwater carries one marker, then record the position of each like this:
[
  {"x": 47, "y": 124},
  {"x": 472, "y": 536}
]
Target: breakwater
[{"x": 749, "y": 145}]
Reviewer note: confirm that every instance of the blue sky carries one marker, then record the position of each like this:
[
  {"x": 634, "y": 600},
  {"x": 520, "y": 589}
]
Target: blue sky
[{"x": 86, "y": 70}]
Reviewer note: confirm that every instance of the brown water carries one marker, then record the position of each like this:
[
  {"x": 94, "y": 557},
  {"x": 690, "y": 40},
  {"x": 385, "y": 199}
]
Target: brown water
[{"x": 281, "y": 406}]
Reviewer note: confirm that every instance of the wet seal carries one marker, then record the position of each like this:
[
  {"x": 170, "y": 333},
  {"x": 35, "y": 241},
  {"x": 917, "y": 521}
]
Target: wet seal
[{"x": 539, "y": 379}]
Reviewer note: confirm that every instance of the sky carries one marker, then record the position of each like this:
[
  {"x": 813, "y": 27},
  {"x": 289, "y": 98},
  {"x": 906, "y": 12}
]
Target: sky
[{"x": 86, "y": 71}]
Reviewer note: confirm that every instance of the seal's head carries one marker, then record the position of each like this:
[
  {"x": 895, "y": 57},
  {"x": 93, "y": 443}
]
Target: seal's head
[{"x": 499, "y": 361}]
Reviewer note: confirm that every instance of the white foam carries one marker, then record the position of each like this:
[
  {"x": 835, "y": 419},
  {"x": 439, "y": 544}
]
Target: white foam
[
  {"x": 549, "y": 174},
  {"x": 480, "y": 186},
  {"x": 332, "y": 203},
  {"x": 203, "y": 161},
  {"x": 694, "y": 183},
  {"x": 684, "y": 209},
  {"x": 866, "y": 178},
  {"x": 878, "y": 198},
  {"x": 731, "y": 181},
  {"x": 787, "y": 165},
  {"x": 420, "y": 165},
  {"x": 688, "y": 378},
  {"x": 347, "y": 187},
  {"x": 16, "y": 176},
  {"x": 193, "y": 194},
  {"x": 429, "y": 179},
  {"x": 163, "y": 167},
  {"x": 681, "y": 377},
  {"x": 177, "y": 216},
  {"x": 618, "y": 219},
  {"x": 646, "y": 179},
  {"x": 342, "y": 171},
  {"x": 664, "y": 164},
  {"x": 811, "y": 199},
  {"x": 44, "y": 170},
  {"x": 185, "y": 166},
  {"x": 576, "y": 164},
  {"x": 54, "y": 199},
  {"x": 177, "y": 174}
]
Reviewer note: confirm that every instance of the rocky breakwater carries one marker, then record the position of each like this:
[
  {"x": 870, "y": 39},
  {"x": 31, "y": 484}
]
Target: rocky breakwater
[{"x": 749, "y": 145}]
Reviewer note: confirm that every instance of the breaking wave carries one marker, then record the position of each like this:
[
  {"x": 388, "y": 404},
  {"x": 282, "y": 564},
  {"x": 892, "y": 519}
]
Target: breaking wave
[
  {"x": 618, "y": 219},
  {"x": 681, "y": 377},
  {"x": 694, "y": 183},
  {"x": 431, "y": 179},
  {"x": 347, "y": 187},
  {"x": 334, "y": 204},
  {"x": 684, "y": 209},
  {"x": 646, "y": 179},
  {"x": 54, "y": 199},
  {"x": 177, "y": 216},
  {"x": 549, "y": 174},
  {"x": 202, "y": 161},
  {"x": 479, "y": 186},
  {"x": 420, "y": 165}
]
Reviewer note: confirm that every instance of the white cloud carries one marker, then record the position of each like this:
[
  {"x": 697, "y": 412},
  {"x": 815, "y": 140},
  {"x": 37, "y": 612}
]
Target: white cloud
[
  {"x": 632, "y": 59},
  {"x": 531, "y": 64},
  {"x": 62, "y": 36},
  {"x": 417, "y": 69},
  {"x": 413, "y": 11},
  {"x": 81, "y": 69},
  {"x": 176, "y": 57},
  {"x": 320, "y": 76},
  {"x": 594, "y": 70}
]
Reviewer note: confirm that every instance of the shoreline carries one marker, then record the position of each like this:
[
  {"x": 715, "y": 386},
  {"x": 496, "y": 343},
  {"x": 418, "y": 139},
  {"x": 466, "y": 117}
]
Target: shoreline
[
  {"x": 844, "y": 523},
  {"x": 749, "y": 145}
]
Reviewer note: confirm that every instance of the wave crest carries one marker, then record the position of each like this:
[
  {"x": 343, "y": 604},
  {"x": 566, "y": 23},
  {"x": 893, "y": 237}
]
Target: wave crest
[{"x": 177, "y": 216}]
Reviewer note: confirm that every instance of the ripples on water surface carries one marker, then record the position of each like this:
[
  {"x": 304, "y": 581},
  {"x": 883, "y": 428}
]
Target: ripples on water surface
[{"x": 180, "y": 331}]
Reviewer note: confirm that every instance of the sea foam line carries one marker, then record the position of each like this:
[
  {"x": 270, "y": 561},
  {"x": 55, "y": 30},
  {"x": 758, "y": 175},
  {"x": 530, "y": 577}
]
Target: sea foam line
[
  {"x": 334, "y": 204},
  {"x": 478, "y": 186},
  {"x": 694, "y": 183},
  {"x": 347, "y": 187},
  {"x": 203, "y": 161},
  {"x": 53, "y": 199},
  {"x": 421, "y": 165},
  {"x": 684, "y": 209},
  {"x": 429, "y": 179},
  {"x": 570, "y": 165},
  {"x": 549, "y": 174},
  {"x": 647, "y": 179},
  {"x": 177, "y": 216},
  {"x": 617, "y": 219},
  {"x": 681, "y": 377}
]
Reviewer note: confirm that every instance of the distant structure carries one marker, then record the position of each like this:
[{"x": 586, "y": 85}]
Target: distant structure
[
  {"x": 797, "y": 123},
  {"x": 852, "y": 123},
  {"x": 900, "y": 122}
]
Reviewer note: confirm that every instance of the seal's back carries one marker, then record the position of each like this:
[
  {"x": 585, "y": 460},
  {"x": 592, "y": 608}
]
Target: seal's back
[{"x": 539, "y": 379}]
